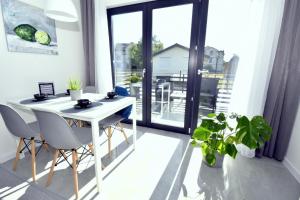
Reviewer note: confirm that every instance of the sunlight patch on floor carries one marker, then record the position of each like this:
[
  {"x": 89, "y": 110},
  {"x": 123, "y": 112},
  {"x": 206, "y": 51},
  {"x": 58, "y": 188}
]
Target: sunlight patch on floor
[
  {"x": 139, "y": 174},
  {"x": 16, "y": 192}
]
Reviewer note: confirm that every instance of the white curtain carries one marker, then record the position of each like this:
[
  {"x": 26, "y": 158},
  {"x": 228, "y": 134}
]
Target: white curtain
[
  {"x": 102, "y": 49},
  {"x": 257, "y": 51},
  {"x": 265, "y": 54}
]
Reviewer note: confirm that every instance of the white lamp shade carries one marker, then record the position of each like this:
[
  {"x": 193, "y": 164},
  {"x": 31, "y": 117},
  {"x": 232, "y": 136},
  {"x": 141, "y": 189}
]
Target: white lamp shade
[{"x": 61, "y": 10}]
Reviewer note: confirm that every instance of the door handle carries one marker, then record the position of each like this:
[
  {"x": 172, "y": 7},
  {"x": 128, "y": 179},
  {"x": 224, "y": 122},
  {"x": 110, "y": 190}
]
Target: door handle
[
  {"x": 144, "y": 72},
  {"x": 202, "y": 71}
]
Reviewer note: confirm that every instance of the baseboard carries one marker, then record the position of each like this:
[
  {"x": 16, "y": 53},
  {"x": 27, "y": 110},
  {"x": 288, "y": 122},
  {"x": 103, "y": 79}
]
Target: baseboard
[
  {"x": 293, "y": 170},
  {"x": 7, "y": 156}
]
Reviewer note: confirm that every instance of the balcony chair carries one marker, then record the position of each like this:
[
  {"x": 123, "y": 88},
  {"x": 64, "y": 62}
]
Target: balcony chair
[
  {"x": 209, "y": 92},
  {"x": 27, "y": 134}
]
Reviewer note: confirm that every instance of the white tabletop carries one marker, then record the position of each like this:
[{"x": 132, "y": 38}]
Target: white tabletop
[{"x": 60, "y": 104}]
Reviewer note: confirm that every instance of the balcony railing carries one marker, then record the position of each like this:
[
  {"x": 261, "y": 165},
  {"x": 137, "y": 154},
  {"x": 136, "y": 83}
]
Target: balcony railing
[{"x": 177, "y": 86}]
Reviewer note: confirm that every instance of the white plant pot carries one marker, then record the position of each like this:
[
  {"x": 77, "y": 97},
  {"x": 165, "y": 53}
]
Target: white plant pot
[
  {"x": 245, "y": 151},
  {"x": 219, "y": 161},
  {"x": 75, "y": 94}
]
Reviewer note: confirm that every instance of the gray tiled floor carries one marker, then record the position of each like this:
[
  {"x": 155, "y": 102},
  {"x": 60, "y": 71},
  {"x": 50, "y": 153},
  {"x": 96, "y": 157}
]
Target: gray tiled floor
[{"x": 165, "y": 166}]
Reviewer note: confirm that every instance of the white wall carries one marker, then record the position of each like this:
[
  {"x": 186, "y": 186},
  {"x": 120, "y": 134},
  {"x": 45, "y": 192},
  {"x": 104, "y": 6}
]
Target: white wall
[
  {"x": 292, "y": 158},
  {"x": 20, "y": 72}
]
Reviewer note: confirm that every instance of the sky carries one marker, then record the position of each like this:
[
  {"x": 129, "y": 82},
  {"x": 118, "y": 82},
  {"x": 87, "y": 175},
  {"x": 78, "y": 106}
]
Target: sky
[
  {"x": 128, "y": 27},
  {"x": 225, "y": 26}
]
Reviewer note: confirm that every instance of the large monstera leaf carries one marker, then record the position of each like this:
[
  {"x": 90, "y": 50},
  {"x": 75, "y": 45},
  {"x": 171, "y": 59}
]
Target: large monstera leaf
[{"x": 252, "y": 133}]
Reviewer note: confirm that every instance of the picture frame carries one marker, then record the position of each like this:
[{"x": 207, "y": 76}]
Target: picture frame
[
  {"x": 28, "y": 29},
  {"x": 47, "y": 88}
]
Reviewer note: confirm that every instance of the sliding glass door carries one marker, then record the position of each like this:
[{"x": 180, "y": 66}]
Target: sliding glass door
[
  {"x": 156, "y": 51},
  {"x": 127, "y": 45},
  {"x": 171, "y": 36},
  {"x": 221, "y": 56}
]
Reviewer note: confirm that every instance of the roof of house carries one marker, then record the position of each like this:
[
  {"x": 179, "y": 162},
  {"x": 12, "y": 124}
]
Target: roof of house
[
  {"x": 185, "y": 48},
  {"x": 171, "y": 47}
]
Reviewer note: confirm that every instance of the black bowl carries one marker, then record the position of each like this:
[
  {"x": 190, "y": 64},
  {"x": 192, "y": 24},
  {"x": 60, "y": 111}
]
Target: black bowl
[
  {"x": 40, "y": 97},
  {"x": 111, "y": 95},
  {"x": 83, "y": 102}
]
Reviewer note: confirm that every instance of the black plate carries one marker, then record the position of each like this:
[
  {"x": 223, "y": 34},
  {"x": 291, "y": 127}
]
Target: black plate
[
  {"x": 111, "y": 98},
  {"x": 38, "y": 100},
  {"x": 77, "y": 106}
]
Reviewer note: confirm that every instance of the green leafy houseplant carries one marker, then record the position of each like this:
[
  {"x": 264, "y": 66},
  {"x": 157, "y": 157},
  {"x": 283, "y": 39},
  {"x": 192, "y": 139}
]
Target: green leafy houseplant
[
  {"x": 215, "y": 136},
  {"x": 74, "y": 84},
  {"x": 75, "y": 89},
  {"x": 134, "y": 78}
]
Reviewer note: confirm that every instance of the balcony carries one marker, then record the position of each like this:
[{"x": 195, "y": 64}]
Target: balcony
[{"x": 168, "y": 95}]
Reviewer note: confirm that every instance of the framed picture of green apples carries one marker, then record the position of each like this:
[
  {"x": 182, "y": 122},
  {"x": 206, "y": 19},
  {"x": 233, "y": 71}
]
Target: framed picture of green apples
[{"x": 28, "y": 29}]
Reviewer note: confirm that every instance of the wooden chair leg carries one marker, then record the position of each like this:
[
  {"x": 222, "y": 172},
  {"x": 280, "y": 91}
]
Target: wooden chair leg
[
  {"x": 122, "y": 130},
  {"x": 91, "y": 148},
  {"x": 70, "y": 122},
  {"x": 52, "y": 168},
  {"x": 18, "y": 154},
  {"x": 45, "y": 145},
  {"x": 33, "y": 164},
  {"x": 76, "y": 156},
  {"x": 75, "y": 175},
  {"x": 109, "y": 140}
]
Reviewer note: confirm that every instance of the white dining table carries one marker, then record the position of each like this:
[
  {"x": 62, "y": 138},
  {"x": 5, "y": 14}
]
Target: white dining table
[{"x": 63, "y": 106}]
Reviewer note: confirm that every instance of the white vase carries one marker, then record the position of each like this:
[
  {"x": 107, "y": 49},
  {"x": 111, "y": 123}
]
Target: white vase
[
  {"x": 75, "y": 94},
  {"x": 245, "y": 151}
]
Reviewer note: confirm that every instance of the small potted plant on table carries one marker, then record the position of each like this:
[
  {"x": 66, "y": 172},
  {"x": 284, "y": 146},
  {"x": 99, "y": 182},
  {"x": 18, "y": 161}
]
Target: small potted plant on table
[
  {"x": 75, "y": 89},
  {"x": 133, "y": 80},
  {"x": 216, "y": 137}
]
